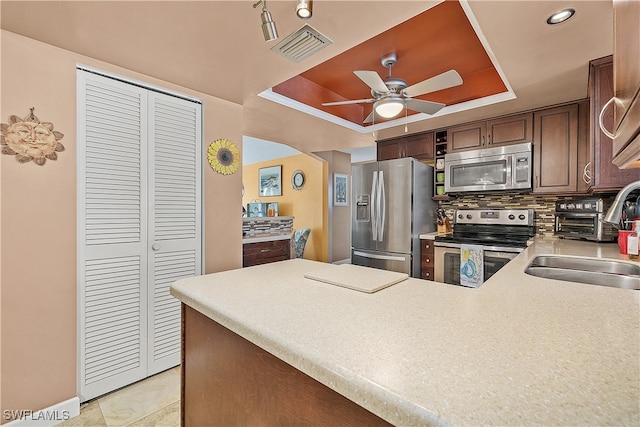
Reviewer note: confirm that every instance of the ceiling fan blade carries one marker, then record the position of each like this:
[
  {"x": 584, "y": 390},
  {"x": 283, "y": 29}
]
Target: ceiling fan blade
[
  {"x": 441, "y": 81},
  {"x": 373, "y": 80},
  {"x": 352, "y": 101},
  {"x": 421, "y": 106}
]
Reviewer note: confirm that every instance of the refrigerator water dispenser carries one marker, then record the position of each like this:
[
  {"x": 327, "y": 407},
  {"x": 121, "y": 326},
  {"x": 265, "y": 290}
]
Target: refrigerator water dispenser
[{"x": 363, "y": 212}]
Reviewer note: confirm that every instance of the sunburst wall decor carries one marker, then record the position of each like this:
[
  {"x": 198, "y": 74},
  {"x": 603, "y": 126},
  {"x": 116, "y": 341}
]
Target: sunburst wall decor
[
  {"x": 223, "y": 156},
  {"x": 29, "y": 139}
]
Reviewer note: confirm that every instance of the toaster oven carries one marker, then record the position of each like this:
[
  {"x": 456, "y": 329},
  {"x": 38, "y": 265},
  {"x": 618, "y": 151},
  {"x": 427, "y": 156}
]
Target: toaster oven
[{"x": 582, "y": 219}]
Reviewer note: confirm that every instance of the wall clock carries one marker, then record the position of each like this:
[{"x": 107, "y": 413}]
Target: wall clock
[{"x": 297, "y": 180}]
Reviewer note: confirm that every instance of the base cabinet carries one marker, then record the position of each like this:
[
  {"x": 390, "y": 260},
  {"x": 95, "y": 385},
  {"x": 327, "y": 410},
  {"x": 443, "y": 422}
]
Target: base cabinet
[
  {"x": 229, "y": 381},
  {"x": 265, "y": 252},
  {"x": 427, "y": 262}
]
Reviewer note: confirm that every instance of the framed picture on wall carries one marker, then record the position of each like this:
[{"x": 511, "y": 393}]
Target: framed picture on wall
[
  {"x": 340, "y": 189},
  {"x": 270, "y": 181}
]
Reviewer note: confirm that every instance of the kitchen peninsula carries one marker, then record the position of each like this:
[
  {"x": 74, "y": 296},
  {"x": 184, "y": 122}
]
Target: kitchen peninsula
[{"x": 518, "y": 350}]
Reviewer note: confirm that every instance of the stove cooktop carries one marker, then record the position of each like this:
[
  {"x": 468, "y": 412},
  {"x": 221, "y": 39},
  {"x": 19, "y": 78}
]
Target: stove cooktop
[{"x": 492, "y": 227}]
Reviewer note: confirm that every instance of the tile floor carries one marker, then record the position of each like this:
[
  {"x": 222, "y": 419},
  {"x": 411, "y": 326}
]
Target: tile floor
[{"x": 153, "y": 402}]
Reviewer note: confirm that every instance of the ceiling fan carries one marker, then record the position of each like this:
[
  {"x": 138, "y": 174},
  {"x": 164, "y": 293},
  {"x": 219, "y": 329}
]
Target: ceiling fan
[{"x": 392, "y": 95}]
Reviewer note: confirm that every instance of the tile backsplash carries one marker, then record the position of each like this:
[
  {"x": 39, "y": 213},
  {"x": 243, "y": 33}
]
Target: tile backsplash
[{"x": 543, "y": 206}]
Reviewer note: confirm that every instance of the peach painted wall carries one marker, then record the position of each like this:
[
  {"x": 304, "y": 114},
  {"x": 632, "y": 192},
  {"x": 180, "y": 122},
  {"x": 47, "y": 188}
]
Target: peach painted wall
[
  {"x": 308, "y": 205},
  {"x": 38, "y": 246},
  {"x": 339, "y": 216}
]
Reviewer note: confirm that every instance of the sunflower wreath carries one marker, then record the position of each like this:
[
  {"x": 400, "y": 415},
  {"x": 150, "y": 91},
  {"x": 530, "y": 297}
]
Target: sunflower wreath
[{"x": 223, "y": 156}]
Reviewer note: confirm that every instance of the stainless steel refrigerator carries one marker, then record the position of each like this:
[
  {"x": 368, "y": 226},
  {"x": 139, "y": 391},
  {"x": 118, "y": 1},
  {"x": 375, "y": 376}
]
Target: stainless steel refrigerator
[{"x": 391, "y": 206}]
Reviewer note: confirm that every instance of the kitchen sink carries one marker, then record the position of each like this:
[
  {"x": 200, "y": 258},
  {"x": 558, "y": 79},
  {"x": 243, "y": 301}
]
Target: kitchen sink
[{"x": 592, "y": 271}]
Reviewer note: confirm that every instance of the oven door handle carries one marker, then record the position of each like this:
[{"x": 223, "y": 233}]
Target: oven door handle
[
  {"x": 446, "y": 245},
  {"x": 485, "y": 248},
  {"x": 500, "y": 254}
]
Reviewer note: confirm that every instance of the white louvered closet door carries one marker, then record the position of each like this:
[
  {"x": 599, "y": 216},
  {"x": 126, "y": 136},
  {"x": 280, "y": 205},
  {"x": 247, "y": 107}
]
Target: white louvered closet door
[
  {"x": 139, "y": 228},
  {"x": 175, "y": 218}
]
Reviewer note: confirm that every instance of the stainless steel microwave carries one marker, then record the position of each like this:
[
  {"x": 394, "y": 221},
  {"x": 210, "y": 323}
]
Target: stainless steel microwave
[{"x": 492, "y": 169}]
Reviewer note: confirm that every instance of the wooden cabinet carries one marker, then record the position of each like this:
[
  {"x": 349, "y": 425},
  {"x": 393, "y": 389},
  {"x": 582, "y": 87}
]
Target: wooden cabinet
[
  {"x": 390, "y": 149},
  {"x": 507, "y": 130},
  {"x": 227, "y": 380},
  {"x": 418, "y": 146},
  {"x": 602, "y": 174},
  {"x": 559, "y": 141},
  {"x": 427, "y": 262},
  {"x": 265, "y": 252},
  {"x": 470, "y": 136},
  {"x": 626, "y": 77},
  {"x": 510, "y": 130}
]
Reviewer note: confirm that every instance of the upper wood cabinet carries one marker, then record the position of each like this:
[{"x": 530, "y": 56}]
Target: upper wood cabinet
[
  {"x": 626, "y": 77},
  {"x": 419, "y": 146},
  {"x": 470, "y": 136},
  {"x": 602, "y": 174},
  {"x": 484, "y": 134},
  {"x": 510, "y": 130},
  {"x": 560, "y": 139}
]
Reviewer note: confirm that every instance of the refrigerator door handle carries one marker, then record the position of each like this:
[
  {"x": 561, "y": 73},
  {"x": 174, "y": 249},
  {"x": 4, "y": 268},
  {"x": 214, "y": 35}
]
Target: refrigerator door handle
[
  {"x": 382, "y": 206},
  {"x": 377, "y": 256},
  {"x": 374, "y": 222}
]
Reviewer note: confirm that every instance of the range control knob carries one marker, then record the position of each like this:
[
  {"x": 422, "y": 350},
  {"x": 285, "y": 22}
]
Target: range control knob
[
  {"x": 512, "y": 217},
  {"x": 469, "y": 216},
  {"x": 460, "y": 216},
  {"x": 521, "y": 217}
]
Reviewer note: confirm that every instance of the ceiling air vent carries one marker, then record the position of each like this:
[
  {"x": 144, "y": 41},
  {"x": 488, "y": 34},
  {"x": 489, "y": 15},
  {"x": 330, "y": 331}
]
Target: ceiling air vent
[{"x": 302, "y": 44}]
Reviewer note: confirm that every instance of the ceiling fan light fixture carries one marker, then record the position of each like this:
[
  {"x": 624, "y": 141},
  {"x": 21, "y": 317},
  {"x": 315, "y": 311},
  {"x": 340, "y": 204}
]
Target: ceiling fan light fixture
[
  {"x": 561, "y": 16},
  {"x": 304, "y": 9},
  {"x": 388, "y": 107}
]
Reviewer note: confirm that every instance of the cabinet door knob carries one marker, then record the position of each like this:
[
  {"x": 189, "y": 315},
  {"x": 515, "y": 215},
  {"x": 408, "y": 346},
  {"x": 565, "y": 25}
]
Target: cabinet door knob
[{"x": 155, "y": 247}]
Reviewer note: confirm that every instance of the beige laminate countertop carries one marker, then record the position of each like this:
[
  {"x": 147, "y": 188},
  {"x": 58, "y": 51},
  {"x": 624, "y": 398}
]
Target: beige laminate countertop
[{"x": 519, "y": 350}]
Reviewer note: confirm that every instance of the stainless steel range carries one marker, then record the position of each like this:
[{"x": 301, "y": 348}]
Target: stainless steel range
[{"x": 500, "y": 234}]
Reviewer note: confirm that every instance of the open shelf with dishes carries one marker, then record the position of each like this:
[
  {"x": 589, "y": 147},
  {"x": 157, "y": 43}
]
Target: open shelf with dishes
[{"x": 440, "y": 149}]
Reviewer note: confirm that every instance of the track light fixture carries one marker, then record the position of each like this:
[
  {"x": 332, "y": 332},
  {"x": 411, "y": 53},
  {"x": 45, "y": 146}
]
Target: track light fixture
[
  {"x": 304, "y": 9},
  {"x": 268, "y": 26}
]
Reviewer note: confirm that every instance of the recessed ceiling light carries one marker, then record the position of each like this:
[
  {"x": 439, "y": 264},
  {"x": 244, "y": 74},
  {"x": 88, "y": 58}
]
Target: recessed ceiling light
[{"x": 560, "y": 16}]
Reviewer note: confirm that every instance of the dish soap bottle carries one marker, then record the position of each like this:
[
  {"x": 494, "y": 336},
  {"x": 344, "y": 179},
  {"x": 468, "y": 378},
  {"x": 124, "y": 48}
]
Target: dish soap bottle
[{"x": 632, "y": 241}]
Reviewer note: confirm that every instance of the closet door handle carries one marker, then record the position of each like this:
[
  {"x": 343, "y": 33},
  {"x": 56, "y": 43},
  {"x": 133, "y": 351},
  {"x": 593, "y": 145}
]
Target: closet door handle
[{"x": 155, "y": 247}]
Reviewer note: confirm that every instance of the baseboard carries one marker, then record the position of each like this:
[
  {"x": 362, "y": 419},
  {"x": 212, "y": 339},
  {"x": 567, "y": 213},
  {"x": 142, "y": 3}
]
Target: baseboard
[{"x": 46, "y": 417}]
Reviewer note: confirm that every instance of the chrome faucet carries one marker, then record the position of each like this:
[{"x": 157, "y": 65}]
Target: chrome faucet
[{"x": 615, "y": 211}]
